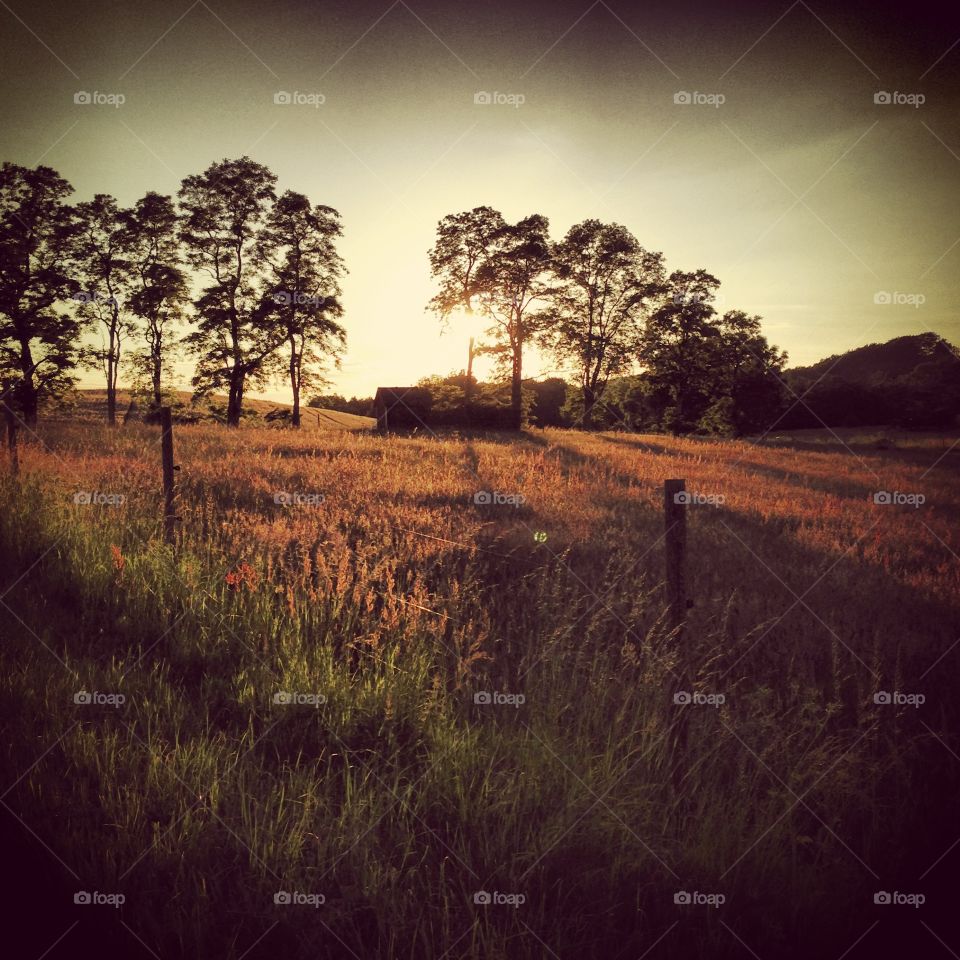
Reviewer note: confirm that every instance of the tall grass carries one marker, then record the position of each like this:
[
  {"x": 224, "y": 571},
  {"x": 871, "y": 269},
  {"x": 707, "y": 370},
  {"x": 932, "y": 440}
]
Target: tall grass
[{"x": 394, "y": 602}]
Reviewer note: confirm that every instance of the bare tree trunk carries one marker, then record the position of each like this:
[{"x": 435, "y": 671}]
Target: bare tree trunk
[
  {"x": 111, "y": 388},
  {"x": 295, "y": 384},
  {"x": 589, "y": 401},
  {"x": 235, "y": 399},
  {"x": 28, "y": 403},
  {"x": 26, "y": 392},
  {"x": 156, "y": 376},
  {"x": 516, "y": 391}
]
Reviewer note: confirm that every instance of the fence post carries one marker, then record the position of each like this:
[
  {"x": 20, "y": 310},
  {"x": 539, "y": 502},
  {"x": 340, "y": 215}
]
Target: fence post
[
  {"x": 675, "y": 525},
  {"x": 675, "y": 521},
  {"x": 166, "y": 451},
  {"x": 12, "y": 442}
]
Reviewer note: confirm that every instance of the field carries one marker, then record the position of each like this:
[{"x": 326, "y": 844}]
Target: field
[
  {"x": 394, "y": 703},
  {"x": 87, "y": 406}
]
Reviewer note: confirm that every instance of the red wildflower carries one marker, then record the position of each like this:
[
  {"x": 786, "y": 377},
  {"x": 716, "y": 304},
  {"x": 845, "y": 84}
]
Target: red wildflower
[{"x": 242, "y": 576}]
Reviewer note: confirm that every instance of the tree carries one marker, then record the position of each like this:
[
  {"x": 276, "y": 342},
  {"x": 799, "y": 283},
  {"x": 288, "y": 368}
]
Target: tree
[
  {"x": 159, "y": 286},
  {"x": 298, "y": 245},
  {"x": 606, "y": 282},
  {"x": 504, "y": 270},
  {"x": 746, "y": 388},
  {"x": 549, "y": 397},
  {"x": 224, "y": 209},
  {"x": 38, "y": 343},
  {"x": 673, "y": 349},
  {"x": 104, "y": 273}
]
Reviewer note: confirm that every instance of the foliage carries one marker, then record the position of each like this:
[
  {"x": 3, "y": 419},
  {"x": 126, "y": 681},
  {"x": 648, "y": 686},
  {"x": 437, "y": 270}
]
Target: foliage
[
  {"x": 38, "y": 339},
  {"x": 606, "y": 283},
  {"x": 303, "y": 288}
]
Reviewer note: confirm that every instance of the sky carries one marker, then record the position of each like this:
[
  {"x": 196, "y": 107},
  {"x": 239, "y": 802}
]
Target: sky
[{"x": 807, "y": 155}]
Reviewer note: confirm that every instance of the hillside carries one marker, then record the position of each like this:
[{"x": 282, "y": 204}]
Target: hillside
[
  {"x": 910, "y": 382},
  {"x": 89, "y": 406},
  {"x": 879, "y": 362}
]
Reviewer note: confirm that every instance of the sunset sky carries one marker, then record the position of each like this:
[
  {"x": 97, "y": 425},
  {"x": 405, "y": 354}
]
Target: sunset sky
[{"x": 804, "y": 196}]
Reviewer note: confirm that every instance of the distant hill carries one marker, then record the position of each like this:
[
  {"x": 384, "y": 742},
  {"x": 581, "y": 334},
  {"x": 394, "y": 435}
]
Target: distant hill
[
  {"x": 882, "y": 362},
  {"x": 911, "y": 382}
]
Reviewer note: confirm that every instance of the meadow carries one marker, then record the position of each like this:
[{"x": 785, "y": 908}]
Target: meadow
[{"x": 354, "y": 712}]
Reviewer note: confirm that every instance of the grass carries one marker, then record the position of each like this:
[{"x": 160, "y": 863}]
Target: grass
[
  {"x": 394, "y": 602},
  {"x": 90, "y": 405}
]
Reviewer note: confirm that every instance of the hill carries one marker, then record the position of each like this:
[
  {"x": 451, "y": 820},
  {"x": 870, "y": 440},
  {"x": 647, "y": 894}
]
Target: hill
[
  {"x": 90, "y": 406},
  {"x": 911, "y": 382},
  {"x": 880, "y": 362}
]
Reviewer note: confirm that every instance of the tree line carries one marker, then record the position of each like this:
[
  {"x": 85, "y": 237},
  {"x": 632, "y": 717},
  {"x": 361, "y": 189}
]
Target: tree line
[
  {"x": 604, "y": 307},
  {"x": 241, "y": 278},
  {"x": 245, "y": 281}
]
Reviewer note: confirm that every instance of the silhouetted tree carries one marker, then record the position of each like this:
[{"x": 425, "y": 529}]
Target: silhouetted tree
[
  {"x": 303, "y": 289},
  {"x": 549, "y": 397},
  {"x": 38, "y": 341},
  {"x": 502, "y": 270},
  {"x": 606, "y": 282},
  {"x": 675, "y": 352},
  {"x": 224, "y": 210},
  {"x": 159, "y": 287},
  {"x": 103, "y": 270},
  {"x": 746, "y": 387}
]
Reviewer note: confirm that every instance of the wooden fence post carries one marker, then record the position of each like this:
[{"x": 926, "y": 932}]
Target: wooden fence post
[
  {"x": 675, "y": 521},
  {"x": 675, "y": 524},
  {"x": 12, "y": 442},
  {"x": 166, "y": 450}
]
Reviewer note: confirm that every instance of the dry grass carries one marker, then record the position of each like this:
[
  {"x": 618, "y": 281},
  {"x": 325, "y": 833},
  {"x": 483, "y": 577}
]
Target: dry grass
[{"x": 398, "y": 598}]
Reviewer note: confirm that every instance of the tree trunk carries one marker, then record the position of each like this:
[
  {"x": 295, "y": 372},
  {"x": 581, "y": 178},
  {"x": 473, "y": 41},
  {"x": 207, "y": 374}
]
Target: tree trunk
[
  {"x": 235, "y": 400},
  {"x": 113, "y": 366},
  {"x": 111, "y": 391},
  {"x": 26, "y": 391},
  {"x": 156, "y": 376},
  {"x": 516, "y": 391},
  {"x": 295, "y": 385},
  {"x": 589, "y": 400}
]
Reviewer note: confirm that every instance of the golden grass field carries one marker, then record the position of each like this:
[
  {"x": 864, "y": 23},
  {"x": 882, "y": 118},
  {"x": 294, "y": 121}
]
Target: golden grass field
[{"x": 396, "y": 598}]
